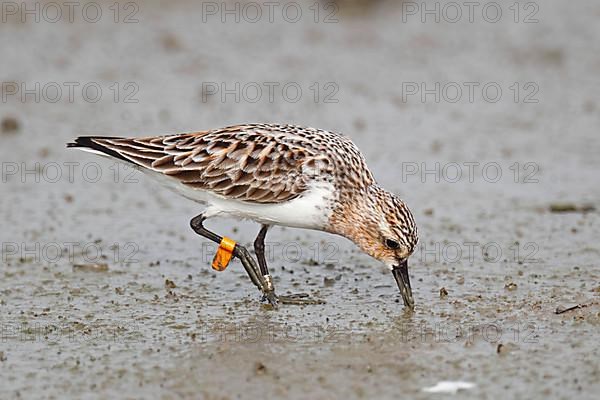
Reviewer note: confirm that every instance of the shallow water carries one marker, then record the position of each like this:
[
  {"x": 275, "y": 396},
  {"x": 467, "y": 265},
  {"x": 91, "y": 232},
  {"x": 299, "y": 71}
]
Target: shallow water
[{"x": 158, "y": 322}]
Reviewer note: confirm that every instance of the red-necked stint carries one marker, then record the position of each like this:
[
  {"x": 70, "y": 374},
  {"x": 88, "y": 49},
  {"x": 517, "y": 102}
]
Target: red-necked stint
[{"x": 276, "y": 175}]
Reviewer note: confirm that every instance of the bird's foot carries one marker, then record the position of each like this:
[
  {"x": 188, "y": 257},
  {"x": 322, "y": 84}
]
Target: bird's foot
[
  {"x": 272, "y": 298},
  {"x": 299, "y": 299},
  {"x": 295, "y": 299}
]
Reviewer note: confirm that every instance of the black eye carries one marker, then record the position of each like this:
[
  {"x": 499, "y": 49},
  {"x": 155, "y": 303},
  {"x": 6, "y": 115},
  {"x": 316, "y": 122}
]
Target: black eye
[{"x": 392, "y": 244}]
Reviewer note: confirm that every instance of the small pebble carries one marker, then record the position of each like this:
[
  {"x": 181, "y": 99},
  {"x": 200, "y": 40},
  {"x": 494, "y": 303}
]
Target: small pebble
[
  {"x": 443, "y": 293},
  {"x": 260, "y": 368},
  {"x": 10, "y": 125},
  {"x": 169, "y": 284}
]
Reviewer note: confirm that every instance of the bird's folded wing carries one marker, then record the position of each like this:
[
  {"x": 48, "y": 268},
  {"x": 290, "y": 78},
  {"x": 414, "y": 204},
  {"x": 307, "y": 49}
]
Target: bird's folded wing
[{"x": 230, "y": 162}]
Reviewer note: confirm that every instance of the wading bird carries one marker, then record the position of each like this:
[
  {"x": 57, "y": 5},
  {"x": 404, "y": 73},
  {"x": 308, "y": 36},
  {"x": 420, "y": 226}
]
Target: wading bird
[{"x": 275, "y": 175}]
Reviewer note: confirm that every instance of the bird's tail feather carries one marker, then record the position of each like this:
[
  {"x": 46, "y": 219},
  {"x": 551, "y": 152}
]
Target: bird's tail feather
[{"x": 90, "y": 144}]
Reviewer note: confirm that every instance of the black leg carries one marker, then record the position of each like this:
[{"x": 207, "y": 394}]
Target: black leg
[
  {"x": 259, "y": 274},
  {"x": 259, "y": 249},
  {"x": 239, "y": 251}
]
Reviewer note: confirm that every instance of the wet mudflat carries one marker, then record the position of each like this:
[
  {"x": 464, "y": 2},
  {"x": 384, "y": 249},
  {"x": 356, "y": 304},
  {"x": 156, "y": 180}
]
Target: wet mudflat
[{"x": 105, "y": 290}]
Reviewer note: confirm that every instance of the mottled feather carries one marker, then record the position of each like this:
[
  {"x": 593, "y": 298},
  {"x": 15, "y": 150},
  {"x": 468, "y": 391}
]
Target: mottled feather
[{"x": 258, "y": 163}]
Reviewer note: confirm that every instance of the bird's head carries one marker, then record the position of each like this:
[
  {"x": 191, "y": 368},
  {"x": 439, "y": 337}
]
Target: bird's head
[
  {"x": 384, "y": 228},
  {"x": 398, "y": 237}
]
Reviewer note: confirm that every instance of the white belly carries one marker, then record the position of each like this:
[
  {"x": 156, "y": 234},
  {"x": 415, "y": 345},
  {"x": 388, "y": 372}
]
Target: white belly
[{"x": 311, "y": 210}]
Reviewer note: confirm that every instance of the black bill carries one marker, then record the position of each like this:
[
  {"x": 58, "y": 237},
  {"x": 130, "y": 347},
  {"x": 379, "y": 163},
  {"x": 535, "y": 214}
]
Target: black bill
[{"x": 403, "y": 280}]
